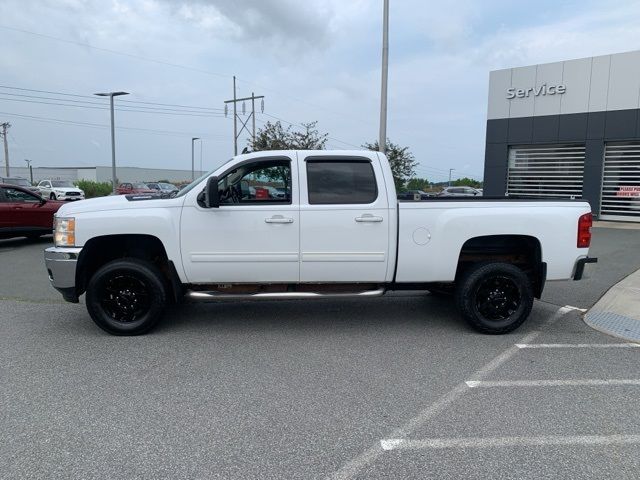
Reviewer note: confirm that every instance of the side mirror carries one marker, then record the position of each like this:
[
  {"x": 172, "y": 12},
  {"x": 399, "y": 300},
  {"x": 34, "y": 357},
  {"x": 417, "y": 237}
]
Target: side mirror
[{"x": 211, "y": 193}]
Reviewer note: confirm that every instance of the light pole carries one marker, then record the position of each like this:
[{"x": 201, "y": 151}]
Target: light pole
[
  {"x": 193, "y": 139},
  {"x": 30, "y": 170},
  {"x": 382, "y": 141},
  {"x": 450, "y": 170},
  {"x": 113, "y": 136}
]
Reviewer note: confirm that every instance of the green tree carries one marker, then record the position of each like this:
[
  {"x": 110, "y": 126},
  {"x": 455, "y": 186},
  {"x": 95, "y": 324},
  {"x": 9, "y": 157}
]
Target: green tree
[
  {"x": 401, "y": 160},
  {"x": 93, "y": 189},
  {"x": 466, "y": 182},
  {"x": 273, "y": 136},
  {"x": 418, "y": 184}
]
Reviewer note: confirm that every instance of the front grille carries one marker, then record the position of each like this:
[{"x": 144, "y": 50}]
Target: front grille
[{"x": 72, "y": 194}]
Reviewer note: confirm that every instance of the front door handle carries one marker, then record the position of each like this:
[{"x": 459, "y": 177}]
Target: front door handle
[
  {"x": 278, "y": 219},
  {"x": 367, "y": 217}
]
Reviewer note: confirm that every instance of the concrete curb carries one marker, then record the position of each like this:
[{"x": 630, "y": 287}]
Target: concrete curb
[{"x": 617, "y": 313}]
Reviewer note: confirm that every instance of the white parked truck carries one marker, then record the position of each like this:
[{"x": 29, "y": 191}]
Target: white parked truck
[{"x": 311, "y": 224}]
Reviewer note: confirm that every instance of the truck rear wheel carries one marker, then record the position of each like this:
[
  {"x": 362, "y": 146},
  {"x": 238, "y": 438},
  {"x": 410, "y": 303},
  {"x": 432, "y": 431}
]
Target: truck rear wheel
[
  {"x": 127, "y": 296},
  {"x": 494, "y": 298}
]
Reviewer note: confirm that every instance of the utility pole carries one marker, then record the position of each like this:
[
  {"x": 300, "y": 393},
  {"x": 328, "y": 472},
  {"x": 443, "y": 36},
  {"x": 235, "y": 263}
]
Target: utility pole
[
  {"x": 5, "y": 126},
  {"x": 114, "y": 178},
  {"x": 450, "y": 170},
  {"x": 193, "y": 139},
  {"x": 244, "y": 123},
  {"x": 30, "y": 169},
  {"x": 382, "y": 142},
  {"x": 253, "y": 117}
]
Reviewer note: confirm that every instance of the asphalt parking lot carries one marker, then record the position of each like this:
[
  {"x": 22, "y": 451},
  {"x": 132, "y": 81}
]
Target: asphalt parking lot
[{"x": 392, "y": 387}]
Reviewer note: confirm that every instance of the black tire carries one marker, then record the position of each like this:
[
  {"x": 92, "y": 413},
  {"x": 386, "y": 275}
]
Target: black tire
[
  {"x": 52, "y": 196},
  {"x": 127, "y": 296},
  {"x": 494, "y": 298}
]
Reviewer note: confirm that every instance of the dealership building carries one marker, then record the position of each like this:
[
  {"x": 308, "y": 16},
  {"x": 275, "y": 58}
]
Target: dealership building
[{"x": 568, "y": 129}]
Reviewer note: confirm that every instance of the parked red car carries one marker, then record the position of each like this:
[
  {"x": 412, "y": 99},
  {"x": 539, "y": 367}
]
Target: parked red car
[
  {"x": 137, "y": 188},
  {"x": 25, "y": 214}
]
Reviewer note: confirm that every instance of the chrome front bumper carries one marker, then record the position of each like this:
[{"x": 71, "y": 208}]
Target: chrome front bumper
[{"x": 61, "y": 266}]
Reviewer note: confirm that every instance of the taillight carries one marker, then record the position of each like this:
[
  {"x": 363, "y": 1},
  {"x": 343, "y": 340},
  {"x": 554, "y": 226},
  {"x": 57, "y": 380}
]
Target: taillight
[{"x": 584, "y": 230}]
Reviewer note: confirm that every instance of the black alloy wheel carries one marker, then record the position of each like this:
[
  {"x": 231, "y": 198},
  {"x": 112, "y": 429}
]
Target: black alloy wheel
[
  {"x": 497, "y": 297},
  {"x": 494, "y": 298},
  {"x": 127, "y": 296}
]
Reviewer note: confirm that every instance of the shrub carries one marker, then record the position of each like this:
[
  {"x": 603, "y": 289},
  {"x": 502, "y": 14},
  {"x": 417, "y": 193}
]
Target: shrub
[{"x": 94, "y": 189}]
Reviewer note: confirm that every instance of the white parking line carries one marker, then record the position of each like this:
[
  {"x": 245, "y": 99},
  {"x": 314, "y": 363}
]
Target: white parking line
[
  {"x": 577, "y": 345},
  {"x": 552, "y": 383},
  {"x": 355, "y": 465},
  {"x": 570, "y": 307},
  {"x": 496, "y": 442}
]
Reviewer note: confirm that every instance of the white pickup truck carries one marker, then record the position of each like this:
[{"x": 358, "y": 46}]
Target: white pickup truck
[{"x": 311, "y": 224}]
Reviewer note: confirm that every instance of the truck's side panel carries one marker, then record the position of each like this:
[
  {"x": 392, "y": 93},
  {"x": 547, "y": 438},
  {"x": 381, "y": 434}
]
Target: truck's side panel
[{"x": 431, "y": 234}]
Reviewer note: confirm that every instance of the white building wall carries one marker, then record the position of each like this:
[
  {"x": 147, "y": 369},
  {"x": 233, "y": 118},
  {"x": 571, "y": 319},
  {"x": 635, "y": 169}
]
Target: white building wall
[
  {"x": 103, "y": 174},
  {"x": 605, "y": 83},
  {"x": 135, "y": 174}
]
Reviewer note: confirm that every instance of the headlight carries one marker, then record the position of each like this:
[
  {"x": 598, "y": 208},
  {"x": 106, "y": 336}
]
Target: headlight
[
  {"x": 60, "y": 192},
  {"x": 81, "y": 192},
  {"x": 64, "y": 231}
]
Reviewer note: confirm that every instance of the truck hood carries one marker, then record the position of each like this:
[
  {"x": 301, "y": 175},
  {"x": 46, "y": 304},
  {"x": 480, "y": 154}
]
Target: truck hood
[{"x": 118, "y": 202}]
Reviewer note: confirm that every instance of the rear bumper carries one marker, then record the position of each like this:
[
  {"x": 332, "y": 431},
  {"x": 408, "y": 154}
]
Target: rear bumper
[
  {"x": 61, "y": 265},
  {"x": 579, "y": 271}
]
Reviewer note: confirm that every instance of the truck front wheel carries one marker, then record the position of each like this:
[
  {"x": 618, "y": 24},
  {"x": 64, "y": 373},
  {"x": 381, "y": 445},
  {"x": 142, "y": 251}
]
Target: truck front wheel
[
  {"x": 494, "y": 298},
  {"x": 126, "y": 296}
]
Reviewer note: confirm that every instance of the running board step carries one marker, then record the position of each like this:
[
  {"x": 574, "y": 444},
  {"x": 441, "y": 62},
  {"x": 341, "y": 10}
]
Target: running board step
[{"x": 213, "y": 296}]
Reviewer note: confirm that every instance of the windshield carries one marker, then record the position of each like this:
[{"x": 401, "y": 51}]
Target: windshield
[
  {"x": 190, "y": 187},
  {"x": 62, "y": 183}
]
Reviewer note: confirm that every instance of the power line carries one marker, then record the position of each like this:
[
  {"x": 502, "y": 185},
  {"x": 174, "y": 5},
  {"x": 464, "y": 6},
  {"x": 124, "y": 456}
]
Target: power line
[
  {"x": 121, "y": 109},
  {"x": 98, "y": 125},
  {"x": 102, "y": 104},
  {"x": 174, "y": 65},
  {"x": 115, "y": 52},
  {"x": 301, "y": 125},
  {"x": 120, "y": 101}
]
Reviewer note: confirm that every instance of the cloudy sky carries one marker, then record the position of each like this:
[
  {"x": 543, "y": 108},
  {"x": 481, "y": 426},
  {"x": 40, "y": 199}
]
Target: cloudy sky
[{"x": 312, "y": 60}]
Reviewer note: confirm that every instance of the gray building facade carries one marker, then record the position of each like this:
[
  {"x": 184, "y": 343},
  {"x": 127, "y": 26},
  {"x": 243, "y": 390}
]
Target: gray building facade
[{"x": 568, "y": 129}]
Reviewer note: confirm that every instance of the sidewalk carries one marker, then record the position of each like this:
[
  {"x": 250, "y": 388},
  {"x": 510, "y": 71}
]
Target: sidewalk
[
  {"x": 617, "y": 313},
  {"x": 620, "y": 225}
]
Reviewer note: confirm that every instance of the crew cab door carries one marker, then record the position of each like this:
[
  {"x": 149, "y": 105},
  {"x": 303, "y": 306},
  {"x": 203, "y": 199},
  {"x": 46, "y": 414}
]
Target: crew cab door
[
  {"x": 344, "y": 219},
  {"x": 25, "y": 209},
  {"x": 253, "y": 236}
]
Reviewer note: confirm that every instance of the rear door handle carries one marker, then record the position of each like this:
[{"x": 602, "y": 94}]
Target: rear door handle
[
  {"x": 278, "y": 219},
  {"x": 367, "y": 217}
]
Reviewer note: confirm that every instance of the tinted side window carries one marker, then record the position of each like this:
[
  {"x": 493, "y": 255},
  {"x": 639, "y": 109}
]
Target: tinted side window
[{"x": 341, "y": 182}]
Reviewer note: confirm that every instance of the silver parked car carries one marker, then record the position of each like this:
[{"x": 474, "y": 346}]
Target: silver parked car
[{"x": 460, "y": 192}]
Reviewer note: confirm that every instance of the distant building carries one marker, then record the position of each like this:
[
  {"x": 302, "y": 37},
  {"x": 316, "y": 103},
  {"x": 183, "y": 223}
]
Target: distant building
[
  {"x": 568, "y": 129},
  {"x": 103, "y": 174}
]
